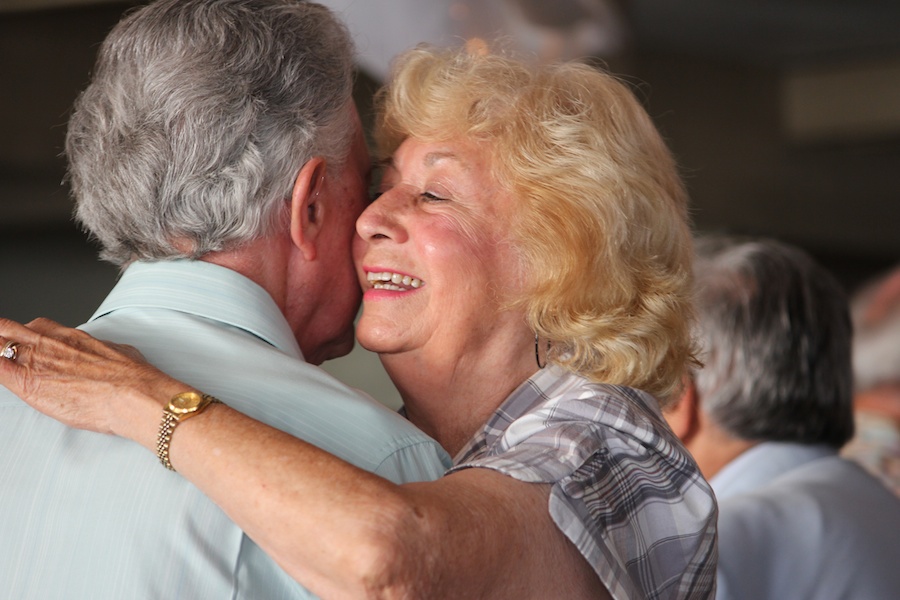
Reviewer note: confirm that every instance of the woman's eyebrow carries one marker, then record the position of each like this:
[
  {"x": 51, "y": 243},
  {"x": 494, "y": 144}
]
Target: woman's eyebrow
[{"x": 433, "y": 157}]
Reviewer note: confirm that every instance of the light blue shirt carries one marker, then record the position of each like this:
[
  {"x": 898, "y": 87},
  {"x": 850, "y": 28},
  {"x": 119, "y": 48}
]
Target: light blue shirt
[
  {"x": 84, "y": 515},
  {"x": 800, "y": 522}
]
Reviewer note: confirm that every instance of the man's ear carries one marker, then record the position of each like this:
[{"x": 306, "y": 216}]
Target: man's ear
[
  {"x": 684, "y": 414},
  {"x": 307, "y": 210}
]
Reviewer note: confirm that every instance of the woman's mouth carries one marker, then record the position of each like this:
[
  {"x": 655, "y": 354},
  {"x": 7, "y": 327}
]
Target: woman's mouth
[{"x": 397, "y": 282}]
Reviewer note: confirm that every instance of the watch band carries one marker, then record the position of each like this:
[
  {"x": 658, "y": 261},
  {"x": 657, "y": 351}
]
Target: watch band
[{"x": 171, "y": 419}]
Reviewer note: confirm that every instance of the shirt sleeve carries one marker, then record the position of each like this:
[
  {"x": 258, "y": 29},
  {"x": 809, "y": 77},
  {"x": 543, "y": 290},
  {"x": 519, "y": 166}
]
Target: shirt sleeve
[
  {"x": 633, "y": 503},
  {"x": 419, "y": 460}
]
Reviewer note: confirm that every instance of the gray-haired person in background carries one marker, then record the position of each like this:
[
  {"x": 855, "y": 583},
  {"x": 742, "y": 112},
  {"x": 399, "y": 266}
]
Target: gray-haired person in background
[
  {"x": 765, "y": 417},
  {"x": 218, "y": 158},
  {"x": 875, "y": 311}
]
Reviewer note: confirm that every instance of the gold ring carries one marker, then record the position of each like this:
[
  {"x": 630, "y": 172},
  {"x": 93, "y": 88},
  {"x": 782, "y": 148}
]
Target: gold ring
[{"x": 10, "y": 351}]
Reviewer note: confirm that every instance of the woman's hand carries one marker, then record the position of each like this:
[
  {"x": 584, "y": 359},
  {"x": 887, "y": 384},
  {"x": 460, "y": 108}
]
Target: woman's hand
[{"x": 79, "y": 380}]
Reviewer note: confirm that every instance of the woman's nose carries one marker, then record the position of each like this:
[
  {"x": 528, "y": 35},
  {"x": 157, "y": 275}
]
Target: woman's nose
[{"x": 383, "y": 219}]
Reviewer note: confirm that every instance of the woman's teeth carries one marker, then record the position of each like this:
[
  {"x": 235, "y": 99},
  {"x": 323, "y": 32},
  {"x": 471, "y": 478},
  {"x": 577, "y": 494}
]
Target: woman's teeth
[{"x": 393, "y": 281}]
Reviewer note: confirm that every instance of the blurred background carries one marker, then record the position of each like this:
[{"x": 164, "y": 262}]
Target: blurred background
[{"x": 784, "y": 116}]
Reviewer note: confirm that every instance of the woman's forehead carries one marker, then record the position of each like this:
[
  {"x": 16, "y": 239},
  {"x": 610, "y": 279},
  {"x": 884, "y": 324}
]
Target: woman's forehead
[{"x": 464, "y": 152}]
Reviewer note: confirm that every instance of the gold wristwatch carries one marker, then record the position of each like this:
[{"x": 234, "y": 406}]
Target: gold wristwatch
[{"x": 181, "y": 407}]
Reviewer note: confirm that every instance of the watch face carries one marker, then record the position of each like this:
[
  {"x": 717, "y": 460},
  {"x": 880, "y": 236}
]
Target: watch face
[{"x": 185, "y": 403}]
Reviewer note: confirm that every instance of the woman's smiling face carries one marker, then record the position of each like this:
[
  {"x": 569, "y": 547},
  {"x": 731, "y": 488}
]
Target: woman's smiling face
[{"x": 433, "y": 252}]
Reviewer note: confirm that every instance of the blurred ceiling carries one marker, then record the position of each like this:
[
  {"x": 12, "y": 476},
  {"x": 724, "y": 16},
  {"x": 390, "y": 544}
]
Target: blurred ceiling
[
  {"x": 755, "y": 31},
  {"x": 763, "y": 32}
]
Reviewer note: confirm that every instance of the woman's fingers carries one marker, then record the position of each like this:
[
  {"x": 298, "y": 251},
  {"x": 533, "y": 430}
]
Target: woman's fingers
[
  {"x": 61, "y": 342},
  {"x": 70, "y": 376},
  {"x": 16, "y": 341},
  {"x": 16, "y": 332},
  {"x": 14, "y": 355},
  {"x": 10, "y": 351},
  {"x": 52, "y": 329},
  {"x": 77, "y": 339},
  {"x": 60, "y": 372},
  {"x": 26, "y": 339}
]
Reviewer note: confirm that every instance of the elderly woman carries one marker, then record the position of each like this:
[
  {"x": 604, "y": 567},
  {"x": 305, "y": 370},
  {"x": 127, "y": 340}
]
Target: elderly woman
[{"x": 526, "y": 270}]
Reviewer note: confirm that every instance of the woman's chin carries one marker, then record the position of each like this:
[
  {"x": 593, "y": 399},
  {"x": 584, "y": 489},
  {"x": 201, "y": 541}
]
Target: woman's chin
[{"x": 382, "y": 340}]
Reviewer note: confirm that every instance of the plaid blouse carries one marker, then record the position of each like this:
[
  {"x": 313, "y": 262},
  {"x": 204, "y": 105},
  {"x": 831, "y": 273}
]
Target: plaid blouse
[{"x": 624, "y": 489}]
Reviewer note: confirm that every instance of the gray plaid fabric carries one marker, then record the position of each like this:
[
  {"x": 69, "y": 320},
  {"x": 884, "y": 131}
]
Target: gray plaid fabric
[{"x": 624, "y": 489}]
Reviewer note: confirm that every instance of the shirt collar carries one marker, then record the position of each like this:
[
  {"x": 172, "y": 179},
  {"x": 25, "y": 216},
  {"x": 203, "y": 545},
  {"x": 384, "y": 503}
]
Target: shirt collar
[
  {"x": 761, "y": 464},
  {"x": 205, "y": 290},
  {"x": 534, "y": 390}
]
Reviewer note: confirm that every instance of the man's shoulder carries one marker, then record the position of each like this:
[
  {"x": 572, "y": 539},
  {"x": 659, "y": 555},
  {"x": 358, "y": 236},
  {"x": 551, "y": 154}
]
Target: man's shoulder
[
  {"x": 830, "y": 496},
  {"x": 802, "y": 529},
  {"x": 273, "y": 386},
  {"x": 830, "y": 476}
]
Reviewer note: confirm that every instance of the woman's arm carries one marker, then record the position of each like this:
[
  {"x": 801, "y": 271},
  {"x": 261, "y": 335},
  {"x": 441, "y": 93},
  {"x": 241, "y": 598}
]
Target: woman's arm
[
  {"x": 337, "y": 529},
  {"x": 471, "y": 534}
]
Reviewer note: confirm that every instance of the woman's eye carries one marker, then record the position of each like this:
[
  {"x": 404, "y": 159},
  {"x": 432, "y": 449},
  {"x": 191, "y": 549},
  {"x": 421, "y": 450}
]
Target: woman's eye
[{"x": 429, "y": 197}]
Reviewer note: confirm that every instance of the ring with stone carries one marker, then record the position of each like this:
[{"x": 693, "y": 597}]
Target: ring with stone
[{"x": 10, "y": 351}]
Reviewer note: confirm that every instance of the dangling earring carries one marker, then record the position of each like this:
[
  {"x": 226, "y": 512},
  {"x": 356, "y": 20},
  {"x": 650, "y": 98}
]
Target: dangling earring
[{"x": 537, "y": 352}]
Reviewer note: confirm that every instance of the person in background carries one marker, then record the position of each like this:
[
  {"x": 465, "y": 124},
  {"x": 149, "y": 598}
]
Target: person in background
[
  {"x": 875, "y": 311},
  {"x": 226, "y": 184},
  {"x": 765, "y": 417},
  {"x": 527, "y": 278}
]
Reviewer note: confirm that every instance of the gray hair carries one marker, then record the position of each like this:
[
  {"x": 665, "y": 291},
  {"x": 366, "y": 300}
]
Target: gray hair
[
  {"x": 775, "y": 331},
  {"x": 875, "y": 311},
  {"x": 198, "y": 118}
]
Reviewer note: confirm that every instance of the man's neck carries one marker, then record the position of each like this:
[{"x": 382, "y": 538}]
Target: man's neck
[
  {"x": 261, "y": 261},
  {"x": 713, "y": 448}
]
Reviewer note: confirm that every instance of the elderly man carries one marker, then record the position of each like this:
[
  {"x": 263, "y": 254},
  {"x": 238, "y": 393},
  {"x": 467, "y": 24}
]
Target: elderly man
[
  {"x": 217, "y": 157},
  {"x": 765, "y": 418}
]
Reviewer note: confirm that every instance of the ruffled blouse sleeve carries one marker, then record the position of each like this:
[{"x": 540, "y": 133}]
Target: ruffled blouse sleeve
[{"x": 623, "y": 488}]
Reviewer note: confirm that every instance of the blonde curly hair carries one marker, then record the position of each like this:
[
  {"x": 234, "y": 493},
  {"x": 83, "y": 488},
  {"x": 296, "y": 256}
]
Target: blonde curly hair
[{"x": 602, "y": 230}]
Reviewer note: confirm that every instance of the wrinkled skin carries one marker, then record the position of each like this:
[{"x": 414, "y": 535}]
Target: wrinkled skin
[{"x": 69, "y": 376}]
